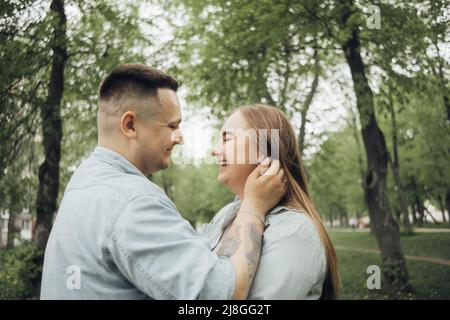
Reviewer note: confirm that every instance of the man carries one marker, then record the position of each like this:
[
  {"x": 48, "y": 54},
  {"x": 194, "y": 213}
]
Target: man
[{"x": 118, "y": 236}]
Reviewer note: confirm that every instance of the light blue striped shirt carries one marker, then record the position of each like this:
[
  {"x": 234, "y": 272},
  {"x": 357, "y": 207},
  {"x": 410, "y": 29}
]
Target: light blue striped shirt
[{"x": 293, "y": 263}]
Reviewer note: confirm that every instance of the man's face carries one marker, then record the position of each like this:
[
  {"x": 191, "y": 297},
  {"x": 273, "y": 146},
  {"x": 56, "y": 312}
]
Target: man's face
[{"x": 157, "y": 136}]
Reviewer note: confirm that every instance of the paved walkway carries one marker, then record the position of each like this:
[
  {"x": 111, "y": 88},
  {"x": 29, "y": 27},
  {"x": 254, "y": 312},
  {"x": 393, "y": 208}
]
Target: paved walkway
[
  {"x": 443, "y": 262},
  {"x": 419, "y": 230}
]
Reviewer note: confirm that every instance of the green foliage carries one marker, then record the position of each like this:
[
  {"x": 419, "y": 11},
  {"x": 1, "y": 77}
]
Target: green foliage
[
  {"x": 19, "y": 270},
  {"x": 335, "y": 177},
  {"x": 423, "y": 142}
]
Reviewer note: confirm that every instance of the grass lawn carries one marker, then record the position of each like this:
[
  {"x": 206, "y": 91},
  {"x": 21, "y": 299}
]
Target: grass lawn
[{"x": 430, "y": 280}]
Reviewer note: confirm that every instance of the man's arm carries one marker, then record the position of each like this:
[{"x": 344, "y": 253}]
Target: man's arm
[{"x": 163, "y": 256}]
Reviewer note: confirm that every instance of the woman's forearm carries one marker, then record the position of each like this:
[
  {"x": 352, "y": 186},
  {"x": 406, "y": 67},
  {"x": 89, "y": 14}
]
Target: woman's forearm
[{"x": 242, "y": 244}]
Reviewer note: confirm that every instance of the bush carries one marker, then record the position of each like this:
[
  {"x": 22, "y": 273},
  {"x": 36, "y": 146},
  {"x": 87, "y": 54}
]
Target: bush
[{"x": 20, "y": 268}]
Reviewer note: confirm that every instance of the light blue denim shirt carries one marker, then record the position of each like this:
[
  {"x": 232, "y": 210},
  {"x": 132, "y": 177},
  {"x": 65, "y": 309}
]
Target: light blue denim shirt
[
  {"x": 127, "y": 240},
  {"x": 293, "y": 262}
]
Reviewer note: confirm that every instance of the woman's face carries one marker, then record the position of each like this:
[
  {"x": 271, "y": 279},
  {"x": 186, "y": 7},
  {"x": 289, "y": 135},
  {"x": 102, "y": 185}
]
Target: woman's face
[{"x": 232, "y": 152}]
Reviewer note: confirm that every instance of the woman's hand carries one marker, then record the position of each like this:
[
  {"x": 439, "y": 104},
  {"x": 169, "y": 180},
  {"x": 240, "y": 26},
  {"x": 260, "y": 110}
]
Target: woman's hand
[{"x": 264, "y": 187}]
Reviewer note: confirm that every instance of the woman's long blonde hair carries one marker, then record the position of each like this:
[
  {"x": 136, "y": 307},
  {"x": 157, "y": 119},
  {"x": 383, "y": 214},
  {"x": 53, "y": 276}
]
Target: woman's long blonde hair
[{"x": 259, "y": 116}]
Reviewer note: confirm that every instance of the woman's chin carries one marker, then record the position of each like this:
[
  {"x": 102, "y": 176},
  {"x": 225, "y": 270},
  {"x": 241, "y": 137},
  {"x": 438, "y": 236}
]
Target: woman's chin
[
  {"x": 221, "y": 178},
  {"x": 224, "y": 180}
]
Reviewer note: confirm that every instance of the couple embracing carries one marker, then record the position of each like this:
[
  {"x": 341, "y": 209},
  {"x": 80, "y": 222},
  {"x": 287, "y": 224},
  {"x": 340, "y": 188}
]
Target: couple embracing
[{"x": 127, "y": 240}]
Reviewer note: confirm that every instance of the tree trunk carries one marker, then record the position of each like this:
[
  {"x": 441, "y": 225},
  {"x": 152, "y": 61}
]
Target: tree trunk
[
  {"x": 344, "y": 220},
  {"x": 11, "y": 231},
  {"x": 431, "y": 216},
  {"x": 447, "y": 203},
  {"x": 420, "y": 211},
  {"x": 442, "y": 80},
  {"x": 52, "y": 130},
  {"x": 358, "y": 145},
  {"x": 308, "y": 101},
  {"x": 414, "y": 215},
  {"x": 395, "y": 166},
  {"x": 384, "y": 226},
  {"x": 442, "y": 207}
]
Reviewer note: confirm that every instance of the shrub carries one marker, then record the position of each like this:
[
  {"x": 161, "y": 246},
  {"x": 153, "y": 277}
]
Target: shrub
[{"x": 20, "y": 268}]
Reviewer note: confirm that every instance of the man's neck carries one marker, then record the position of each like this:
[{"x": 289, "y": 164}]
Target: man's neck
[{"x": 124, "y": 153}]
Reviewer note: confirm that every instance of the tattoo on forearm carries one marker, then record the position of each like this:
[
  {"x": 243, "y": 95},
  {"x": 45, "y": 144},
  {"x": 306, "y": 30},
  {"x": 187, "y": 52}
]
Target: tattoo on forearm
[
  {"x": 231, "y": 242},
  {"x": 253, "y": 253}
]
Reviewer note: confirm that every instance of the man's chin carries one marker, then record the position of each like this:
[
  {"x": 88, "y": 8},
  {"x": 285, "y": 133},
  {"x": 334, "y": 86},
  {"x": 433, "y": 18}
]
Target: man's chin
[{"x": 164, "y": 164}]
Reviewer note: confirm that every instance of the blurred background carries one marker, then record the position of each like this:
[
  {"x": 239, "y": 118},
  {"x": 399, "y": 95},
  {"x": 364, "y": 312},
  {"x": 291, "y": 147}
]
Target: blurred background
[{"x": 365, "y": 84}]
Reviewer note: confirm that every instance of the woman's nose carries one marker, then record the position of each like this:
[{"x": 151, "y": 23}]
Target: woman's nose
[{"x": 217, "y": 150}]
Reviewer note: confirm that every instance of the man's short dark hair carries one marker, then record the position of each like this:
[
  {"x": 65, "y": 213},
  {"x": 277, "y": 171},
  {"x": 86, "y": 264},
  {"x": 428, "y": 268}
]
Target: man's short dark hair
[{"x": 135, "y": 77}]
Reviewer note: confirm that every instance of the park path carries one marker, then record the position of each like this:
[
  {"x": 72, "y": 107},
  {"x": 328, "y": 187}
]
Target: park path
[
  {"x": 419, "y": 230},
  {"x": 443, "y": 262}
]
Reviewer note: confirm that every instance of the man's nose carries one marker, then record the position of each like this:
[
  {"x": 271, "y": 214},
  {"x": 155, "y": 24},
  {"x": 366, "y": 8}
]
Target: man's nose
[{"x": 177, "y": 137}]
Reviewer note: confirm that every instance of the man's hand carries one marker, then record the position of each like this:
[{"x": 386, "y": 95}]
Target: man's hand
[{"x": 264, "y": 187}]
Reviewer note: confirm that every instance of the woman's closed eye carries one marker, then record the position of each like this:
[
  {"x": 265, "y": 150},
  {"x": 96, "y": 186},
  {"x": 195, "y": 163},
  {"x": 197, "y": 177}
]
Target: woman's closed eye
[{"x": 227, "y": 136}]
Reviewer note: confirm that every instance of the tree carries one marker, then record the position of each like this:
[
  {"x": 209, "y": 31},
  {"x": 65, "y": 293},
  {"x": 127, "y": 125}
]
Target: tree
[
  {"x": 47, "y": 79},
  {"x": 52, "y": 129},
  {"x": 382, "y": 221},
  {"x": 253, "y": 59},
  {"x": 394, "y": 160}
]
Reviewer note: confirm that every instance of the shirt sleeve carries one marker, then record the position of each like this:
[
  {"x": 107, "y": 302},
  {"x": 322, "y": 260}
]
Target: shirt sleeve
[
  {"x": 289, "y": 269},
  {"x": 164, "y": 257}
]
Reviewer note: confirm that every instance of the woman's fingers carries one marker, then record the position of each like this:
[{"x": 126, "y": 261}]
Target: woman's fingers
[
  {"x": 260, "y": 169},
  {"x": 282, "y": 178},
  {"x": 280, "y": 175},
  {"x": 273, "y": 169}
]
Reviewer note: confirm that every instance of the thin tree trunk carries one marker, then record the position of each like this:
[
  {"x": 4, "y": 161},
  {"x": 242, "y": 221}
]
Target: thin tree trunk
[
  {"x": 11, "y": 231},
  {"x": 308, "y": 101},
  {"x": 395, "y": 166},
  {"x": 358, "y": 145},
  {"x": 442, "y": 207},
  {"x": 286, "y": 75},
  {"x": 413, "y": 211},
  {"x": 420, "y": 210},
  {"x": 442, "y": 80},
  {"x": 431, "y": 216},
  {"x": 52, "y": 130},
  {"x": 383, "y": 224},
  {"x": 421, "y": 213},
  {"x": 447, "y": 203},
  {"x": 343, "y": 219}
]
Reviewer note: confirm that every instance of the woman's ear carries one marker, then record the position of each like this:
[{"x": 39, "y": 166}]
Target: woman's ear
[{"x": 128, "y": 124}]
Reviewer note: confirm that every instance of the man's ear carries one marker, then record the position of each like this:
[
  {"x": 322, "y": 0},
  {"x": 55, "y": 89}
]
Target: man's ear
[{"x": 128, "y": 124}]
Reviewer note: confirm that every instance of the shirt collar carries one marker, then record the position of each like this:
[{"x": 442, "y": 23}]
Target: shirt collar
[{"x": 115, "y": 159}]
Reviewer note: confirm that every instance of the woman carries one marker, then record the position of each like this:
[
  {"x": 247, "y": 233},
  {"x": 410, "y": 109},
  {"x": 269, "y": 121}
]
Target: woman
[{"x": 298, "y": 260}]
